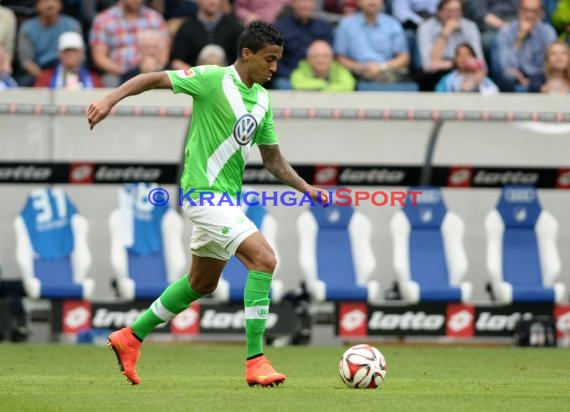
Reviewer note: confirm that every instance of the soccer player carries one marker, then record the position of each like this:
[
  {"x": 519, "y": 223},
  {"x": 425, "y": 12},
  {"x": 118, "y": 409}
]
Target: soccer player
[{"x": 232, "y": 111}]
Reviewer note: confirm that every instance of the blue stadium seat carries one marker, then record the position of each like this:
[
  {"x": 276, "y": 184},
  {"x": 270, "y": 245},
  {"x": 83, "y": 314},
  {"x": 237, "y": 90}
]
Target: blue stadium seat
[
  {"x": 336, "y": 254},
  {"x": 232, "y": 283},
  {"x": 429, "y": 256},
  {"x": 522, "y": 255},
  {"x": 147, "y": 252},
  {"x": 51, "y": 247},
  {"x": 365, "y": 86}
]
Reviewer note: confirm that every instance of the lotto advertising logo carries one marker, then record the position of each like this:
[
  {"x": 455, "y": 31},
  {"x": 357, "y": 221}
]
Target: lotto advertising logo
[
  {"x": 466, "y": 176},
  {"x": 460, "y": 176},
  {"x": 413, "y": 320},
  {"x": 460, "y": 321},
  {"x": 81, "y": 173},
  {"x": 352, "y": 319},
  {"x": 563, "y": 180},
  {"x": 76, "y": 315},
  {"x": 562, "y": 318},
  {"x": 326, "y": 175},
  {"x": 187, "y": 322},
  {"x": 26, "y": 173}
]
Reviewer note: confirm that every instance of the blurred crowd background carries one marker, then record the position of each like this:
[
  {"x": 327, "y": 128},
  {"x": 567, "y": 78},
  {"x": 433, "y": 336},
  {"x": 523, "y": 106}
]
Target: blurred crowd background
[{"x": 483, "y": 46}]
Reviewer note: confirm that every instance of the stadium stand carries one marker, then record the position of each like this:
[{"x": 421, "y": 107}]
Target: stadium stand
[
  {"x": 429, "y": 256},
  {"x": 522, "y": 254},
  {"x": 336, "y": 255},
  {"x": 51, "y": 247},
  {"x": 147, "y": 250}
]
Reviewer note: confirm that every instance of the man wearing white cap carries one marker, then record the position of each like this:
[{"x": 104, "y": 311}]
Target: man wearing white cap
[{"x": 70, "y": 72}]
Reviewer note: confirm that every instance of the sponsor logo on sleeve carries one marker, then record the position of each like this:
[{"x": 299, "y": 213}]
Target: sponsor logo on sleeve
[{"x": 185, "y": 73}]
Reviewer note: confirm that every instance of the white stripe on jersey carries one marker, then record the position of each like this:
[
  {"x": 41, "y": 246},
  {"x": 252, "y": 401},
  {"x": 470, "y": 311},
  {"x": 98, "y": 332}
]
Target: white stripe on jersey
[{"x": 222, "y": 154}]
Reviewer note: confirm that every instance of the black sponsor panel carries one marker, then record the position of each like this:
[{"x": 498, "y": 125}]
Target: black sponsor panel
[
  {"x": 229, "y": 319},
  {"x": 119, "y": 315},
  {"x": 378, "y": 175},
  {"x": 323, "y": 175},
  {"x": 502, "y": 320},
  {"x": 414, "y": 320},
  {"x": 127, "y": 172},
  {"x": 341, "y": 175},
  {"x": 440, "y": 176},
  {"x": 478, "y": 177},
  {"x": 103, "y": 315},
  {"x": 498, "y": 177},
  {"x": 56, "y": 318},
  {"x": 47, "y": 172},
  {"x": 33, "y": 172},
  {"x": 258, "y": 175}
]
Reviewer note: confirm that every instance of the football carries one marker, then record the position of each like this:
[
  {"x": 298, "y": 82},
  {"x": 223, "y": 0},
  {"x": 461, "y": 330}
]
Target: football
[{"x": 362, "y": 367}]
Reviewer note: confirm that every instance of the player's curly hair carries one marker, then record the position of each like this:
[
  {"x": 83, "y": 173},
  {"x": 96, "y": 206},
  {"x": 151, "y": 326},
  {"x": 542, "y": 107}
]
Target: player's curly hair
[{"x": 258, "y": 35}]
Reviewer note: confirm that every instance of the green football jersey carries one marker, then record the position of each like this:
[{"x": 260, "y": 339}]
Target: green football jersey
[{"x": 227, "y": 119}]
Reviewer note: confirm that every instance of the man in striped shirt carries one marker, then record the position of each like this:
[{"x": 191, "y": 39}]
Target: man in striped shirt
[{"x": 113, "y": 37}]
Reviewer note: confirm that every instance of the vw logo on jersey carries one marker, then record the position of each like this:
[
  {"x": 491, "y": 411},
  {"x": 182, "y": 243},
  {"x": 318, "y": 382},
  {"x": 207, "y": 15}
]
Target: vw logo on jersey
[{"x": 244, "y": 129}]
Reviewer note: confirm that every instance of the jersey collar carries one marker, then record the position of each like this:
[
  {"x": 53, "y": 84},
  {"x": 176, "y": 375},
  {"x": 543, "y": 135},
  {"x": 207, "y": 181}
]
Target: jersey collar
[{"x": 236, "y": 74}]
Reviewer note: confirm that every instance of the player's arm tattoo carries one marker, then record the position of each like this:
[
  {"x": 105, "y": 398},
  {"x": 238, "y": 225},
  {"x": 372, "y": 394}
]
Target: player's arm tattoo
[{"x": 276, "y": 164}]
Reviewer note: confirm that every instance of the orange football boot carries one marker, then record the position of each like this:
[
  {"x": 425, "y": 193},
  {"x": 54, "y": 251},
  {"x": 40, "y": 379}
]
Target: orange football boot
[
  {"x": 258, "y": 371},
  {"x": 128, "y": 350}
]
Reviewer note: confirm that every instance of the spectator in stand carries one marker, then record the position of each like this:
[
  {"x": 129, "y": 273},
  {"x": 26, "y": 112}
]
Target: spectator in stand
[
  {"x": 491, "y": 16},
  {"x": 561, "y": 19},
  {"x": 86, "y": 11},
  {"x": 37, "y": 40},
  {"x": 372, "y": 45},
  {"x": 469, "y": 74},
  {"x": 7, "y": 37},
  {"x": 70, "y": 73},
  {"x": 212, "y": 54},
  {"x": 549, "y": 7},
  {"x": 300, "y": 30},
  {"x": 171, "y": 9},
  {"x": 556, "y": 77},
  {"x": 412, "y": 12},
  {"x": 174, "y": 8},
  {"x": 340, "y": 7},
  {"x": 113, "y": 38},
  {"x": 439, "y": 36},
  {"x": 521, "y": 46},
  {"x": 247, "y": 11},
  {"x": 23, "y": 9},
  {"x": 320, "y": 72},
  {"x": 150, "y": 44},
  {"x": 6, "y": 80},
  {"x": 209, "y": 25},
  {"x": 333, "y": 10}
]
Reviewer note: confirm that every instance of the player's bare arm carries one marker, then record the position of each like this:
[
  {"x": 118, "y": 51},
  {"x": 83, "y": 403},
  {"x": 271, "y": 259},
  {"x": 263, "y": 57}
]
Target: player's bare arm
[
  {"x": 279, "y": 167},
  {"x": 98, "y": 110}
]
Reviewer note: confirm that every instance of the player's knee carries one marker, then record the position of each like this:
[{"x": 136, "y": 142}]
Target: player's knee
[
  {"x": 267, "y": 262},
  {"x": 204, "y": 287},
  {"x": 207, "y": 289}
]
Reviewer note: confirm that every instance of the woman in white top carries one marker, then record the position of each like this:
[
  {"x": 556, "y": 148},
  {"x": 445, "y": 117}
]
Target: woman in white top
[{"x": 469, "y": 75}]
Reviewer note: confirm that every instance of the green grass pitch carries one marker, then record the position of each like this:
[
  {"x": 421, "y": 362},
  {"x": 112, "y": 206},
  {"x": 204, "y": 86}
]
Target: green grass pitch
[{"x": 193, "y": 377}]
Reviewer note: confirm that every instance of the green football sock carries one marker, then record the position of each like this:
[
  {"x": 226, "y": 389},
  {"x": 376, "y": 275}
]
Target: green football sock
[
  {"x": 175, "y": 298},
  {"x": 256, "y": 302}
]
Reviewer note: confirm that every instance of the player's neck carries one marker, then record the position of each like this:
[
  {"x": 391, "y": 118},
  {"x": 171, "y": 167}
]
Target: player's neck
[{"x": 242, "y": 72}]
